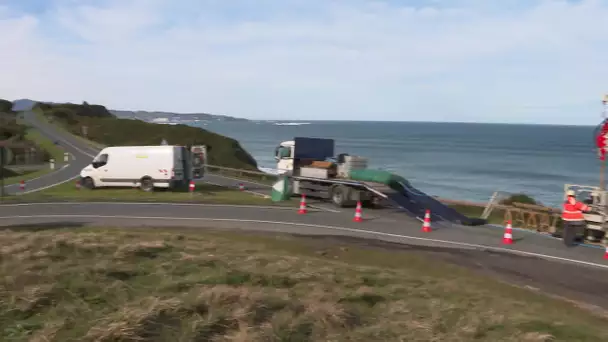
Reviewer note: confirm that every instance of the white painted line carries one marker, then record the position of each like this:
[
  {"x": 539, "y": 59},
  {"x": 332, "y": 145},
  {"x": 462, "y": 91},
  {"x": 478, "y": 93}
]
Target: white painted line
[
  {"x": 48, "y": 186},
  {"x": 39, "y": 177},
  {"x": 323, "y": 208},
  {"x": 148, "y": 203},
  {"x": 352, "y": 230}
]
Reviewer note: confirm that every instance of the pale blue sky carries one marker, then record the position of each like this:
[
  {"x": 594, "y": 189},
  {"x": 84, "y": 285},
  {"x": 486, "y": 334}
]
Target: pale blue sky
[{"x": 529, "y": 61}]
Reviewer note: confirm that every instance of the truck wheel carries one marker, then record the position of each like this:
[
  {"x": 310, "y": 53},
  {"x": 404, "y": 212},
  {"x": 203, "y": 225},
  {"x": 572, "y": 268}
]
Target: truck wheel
[
  {"x": 146, "y": 184},
  {"x": 339, "y": 196},
  {"x": 88, "y": 183}
]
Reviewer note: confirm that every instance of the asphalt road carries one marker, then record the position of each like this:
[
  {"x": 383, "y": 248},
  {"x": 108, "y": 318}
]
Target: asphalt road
[
  {"x": 387, "y": 225},
  {"x": 80, "y": 156}
]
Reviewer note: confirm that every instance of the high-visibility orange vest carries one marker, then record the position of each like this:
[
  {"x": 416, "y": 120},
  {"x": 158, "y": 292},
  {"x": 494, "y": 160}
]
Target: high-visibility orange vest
[{"x": 573, "y": 210}]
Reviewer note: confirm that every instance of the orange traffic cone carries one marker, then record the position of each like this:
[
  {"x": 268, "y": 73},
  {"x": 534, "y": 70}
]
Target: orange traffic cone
[
  {"x": 78, "y": 185},
  {"x": 302, "y": 205},
  {"x": 426, "y": 225},
  {"x": 358, "y": 217},
  {"x": 606, "y": 253},
  {"x": 241, "y": 187},
  {"x": 22, "y": 185},
  {"x": 507, "y": 238},
  {"x": 191, "y": 186}
]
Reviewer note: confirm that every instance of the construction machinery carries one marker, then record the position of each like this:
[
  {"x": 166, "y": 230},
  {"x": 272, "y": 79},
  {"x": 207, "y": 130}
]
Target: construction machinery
[{"x": 308, "y": 167}]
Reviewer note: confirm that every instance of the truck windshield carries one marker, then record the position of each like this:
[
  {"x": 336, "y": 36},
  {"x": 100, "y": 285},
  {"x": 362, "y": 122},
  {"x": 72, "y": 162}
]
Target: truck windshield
[{"x": 282, "y": 152}]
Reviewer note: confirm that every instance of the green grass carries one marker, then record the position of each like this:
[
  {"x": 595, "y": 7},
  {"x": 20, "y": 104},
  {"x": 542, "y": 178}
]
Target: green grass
[
  {"x": 54, "y": 151},
  {"x": 204, "y": 193},
  {"x": 108, "y": 284}
]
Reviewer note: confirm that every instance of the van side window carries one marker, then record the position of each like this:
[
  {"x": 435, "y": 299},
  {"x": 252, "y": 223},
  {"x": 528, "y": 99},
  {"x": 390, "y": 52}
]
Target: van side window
[{"x": 100, "y": 161}]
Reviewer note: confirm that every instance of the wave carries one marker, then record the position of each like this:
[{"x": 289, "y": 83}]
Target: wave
[{"x": 291, "y": 123}]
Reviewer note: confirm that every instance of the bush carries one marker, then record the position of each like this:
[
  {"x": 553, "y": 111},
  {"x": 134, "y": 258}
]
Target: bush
[
  {"x": 519, "y": 198},
  {"x": 6, "y": 106}
]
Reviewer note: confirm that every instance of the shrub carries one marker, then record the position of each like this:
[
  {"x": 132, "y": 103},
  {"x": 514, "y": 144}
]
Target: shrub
[{"x": 519, "y": 198}]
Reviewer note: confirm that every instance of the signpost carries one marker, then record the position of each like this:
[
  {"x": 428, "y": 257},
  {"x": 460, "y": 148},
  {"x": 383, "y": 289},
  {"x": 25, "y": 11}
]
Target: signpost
[{"x": 602, "y": 139}]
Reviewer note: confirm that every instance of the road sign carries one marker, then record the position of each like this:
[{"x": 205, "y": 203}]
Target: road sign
[{"x": 7, "y": 155}]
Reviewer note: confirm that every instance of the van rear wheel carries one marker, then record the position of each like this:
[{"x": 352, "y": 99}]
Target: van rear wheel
[{"x": 146, "y": 184}]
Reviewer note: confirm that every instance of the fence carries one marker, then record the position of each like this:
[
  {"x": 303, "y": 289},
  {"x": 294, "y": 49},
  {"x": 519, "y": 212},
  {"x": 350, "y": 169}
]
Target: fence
[{"x": 246, "y": 175}]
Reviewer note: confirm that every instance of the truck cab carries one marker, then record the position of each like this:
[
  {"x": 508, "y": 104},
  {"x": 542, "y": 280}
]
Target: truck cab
[{"x": 284, "y": 154}]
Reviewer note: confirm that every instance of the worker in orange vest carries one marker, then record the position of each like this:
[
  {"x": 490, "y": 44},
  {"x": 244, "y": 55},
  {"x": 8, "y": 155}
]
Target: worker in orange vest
[{"x": 572, "y": 215}]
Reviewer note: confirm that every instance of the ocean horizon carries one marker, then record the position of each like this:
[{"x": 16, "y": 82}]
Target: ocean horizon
[{"x": 457, "y": 160}]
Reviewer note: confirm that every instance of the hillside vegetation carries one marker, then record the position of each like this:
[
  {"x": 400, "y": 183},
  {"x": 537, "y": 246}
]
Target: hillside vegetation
[
  {"x": 105, "y": 128},
  {"x": 133, "y": 284}
]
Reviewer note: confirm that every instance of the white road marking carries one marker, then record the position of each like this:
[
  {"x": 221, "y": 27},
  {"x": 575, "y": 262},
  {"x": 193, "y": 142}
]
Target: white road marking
[
  {"x": 48, "y": 186},
  {"x": 39, "y": 177},
  {"x": 149, "y": 203},
  {"x": 352, "y": 230}
]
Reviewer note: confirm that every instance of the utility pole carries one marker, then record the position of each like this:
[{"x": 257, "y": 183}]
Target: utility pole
[{"x": 603, "y": 161}]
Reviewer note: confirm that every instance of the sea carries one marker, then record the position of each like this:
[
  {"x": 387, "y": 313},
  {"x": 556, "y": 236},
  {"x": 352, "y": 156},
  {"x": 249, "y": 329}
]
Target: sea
[{"x": 467, "y": 161}]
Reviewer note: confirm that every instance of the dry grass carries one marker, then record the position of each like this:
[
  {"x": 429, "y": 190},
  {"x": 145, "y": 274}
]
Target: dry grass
[{"x": 178, "y": 285}]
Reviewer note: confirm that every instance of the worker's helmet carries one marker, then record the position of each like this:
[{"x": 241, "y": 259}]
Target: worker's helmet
[{"x": 570, "y": 193}]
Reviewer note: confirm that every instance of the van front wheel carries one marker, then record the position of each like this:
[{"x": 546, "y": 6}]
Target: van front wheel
[
  {"x": 146, "y": 184},
  {"x": 88, "y": 183}
]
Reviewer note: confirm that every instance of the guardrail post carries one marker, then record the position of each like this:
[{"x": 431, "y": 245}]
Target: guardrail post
[{"x": 52, "y": 164}]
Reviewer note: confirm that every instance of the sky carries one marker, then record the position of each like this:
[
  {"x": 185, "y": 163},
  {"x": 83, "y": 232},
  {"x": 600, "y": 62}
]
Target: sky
[{"x": 514, "y": 61}]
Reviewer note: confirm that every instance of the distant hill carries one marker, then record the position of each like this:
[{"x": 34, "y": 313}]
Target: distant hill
[
  {"x": 171, "y": 117},
  {"x": 27, "y": 104}
]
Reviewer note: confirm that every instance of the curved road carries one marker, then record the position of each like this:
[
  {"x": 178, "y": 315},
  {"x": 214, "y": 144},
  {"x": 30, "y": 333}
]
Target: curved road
[
  {"x": 80, "y": 156},
  {"x": 380, "y": 224}
]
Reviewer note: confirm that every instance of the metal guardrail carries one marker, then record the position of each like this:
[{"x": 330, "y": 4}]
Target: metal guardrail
[{"x": 266, "y": 179}]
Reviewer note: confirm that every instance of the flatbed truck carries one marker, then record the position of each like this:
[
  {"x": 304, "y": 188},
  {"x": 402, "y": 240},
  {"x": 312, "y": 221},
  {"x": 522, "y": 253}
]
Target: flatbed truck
[{"x": 312, "y": 171}]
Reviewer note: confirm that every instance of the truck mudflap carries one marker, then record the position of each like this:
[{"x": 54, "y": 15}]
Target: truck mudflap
[{"x": 415, "y": 203}]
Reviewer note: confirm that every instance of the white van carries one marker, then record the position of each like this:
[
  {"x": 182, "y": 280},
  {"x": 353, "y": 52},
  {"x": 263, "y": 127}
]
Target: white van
[{"x": 147, "y": 167}]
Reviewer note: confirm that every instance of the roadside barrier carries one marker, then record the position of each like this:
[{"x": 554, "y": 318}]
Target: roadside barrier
[
  {"x": 507, "y": 238},
  {"x": 426, "y": 225},
  {"x": 358, "y": 217},
  {"x": 302, "y": 209}
]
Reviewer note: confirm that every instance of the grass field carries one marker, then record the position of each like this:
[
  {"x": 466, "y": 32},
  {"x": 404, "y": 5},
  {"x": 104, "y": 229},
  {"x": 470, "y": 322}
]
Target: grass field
[
  {"x": 110, "y": 284},
  {"x": 43, "y": 143},
  {"x": 204, "y": 193}
]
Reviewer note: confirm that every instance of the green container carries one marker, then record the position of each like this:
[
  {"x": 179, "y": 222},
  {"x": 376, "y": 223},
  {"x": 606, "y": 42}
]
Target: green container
[
  {"x": 378, "y": 176},
  {"x": 281, "y": 190}
]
